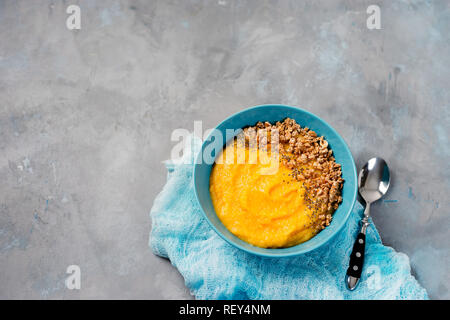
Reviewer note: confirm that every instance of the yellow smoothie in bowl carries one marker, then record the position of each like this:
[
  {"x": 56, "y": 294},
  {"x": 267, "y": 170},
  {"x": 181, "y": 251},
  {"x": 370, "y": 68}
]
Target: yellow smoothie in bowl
[{"x": 281, "y": 199}]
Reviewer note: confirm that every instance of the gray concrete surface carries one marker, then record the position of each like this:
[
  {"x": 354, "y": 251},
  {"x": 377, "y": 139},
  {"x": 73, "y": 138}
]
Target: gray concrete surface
[{"x": 86, "y": 118}]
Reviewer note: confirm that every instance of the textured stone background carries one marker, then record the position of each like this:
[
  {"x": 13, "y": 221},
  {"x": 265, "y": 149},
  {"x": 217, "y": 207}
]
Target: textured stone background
[{"x": 86, "y": 118}]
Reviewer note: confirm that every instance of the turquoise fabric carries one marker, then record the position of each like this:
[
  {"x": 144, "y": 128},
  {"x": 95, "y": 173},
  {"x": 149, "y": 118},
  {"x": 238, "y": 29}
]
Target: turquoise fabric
[{"x": 214, "y": 269}]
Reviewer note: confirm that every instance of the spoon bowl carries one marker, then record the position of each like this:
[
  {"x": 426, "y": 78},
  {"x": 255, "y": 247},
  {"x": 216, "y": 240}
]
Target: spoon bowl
[{"x": 373, "y": 180}]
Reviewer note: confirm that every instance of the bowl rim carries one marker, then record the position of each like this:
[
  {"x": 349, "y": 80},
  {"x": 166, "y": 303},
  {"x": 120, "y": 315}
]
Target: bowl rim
[{"x": 288, "y": 254}]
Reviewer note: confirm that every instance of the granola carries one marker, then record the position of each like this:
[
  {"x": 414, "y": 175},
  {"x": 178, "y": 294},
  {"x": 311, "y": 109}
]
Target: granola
[{"x": 310, "y": 160}]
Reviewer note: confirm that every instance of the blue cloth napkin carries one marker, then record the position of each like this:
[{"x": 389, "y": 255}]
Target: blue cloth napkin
[{"x": 213, "y": 269}]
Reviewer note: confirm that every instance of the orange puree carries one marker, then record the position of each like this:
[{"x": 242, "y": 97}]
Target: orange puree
[{"x": 261, "y": 204}]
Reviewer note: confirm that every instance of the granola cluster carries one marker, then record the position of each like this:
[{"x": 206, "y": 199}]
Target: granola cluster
[{"x": 311, "y": 162}]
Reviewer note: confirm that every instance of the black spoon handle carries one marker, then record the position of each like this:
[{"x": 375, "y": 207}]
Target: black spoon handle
[
  {"x": 356, "y": 264},
  {"x": 357, "y": 257}
]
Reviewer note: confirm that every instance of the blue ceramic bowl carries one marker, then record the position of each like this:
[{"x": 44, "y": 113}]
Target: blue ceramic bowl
[{"x": 273, "y": 113}]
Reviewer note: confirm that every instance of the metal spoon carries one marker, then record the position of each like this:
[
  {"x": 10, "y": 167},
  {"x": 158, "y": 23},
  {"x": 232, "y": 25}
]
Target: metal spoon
[{"x": 373, "y": 183}]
